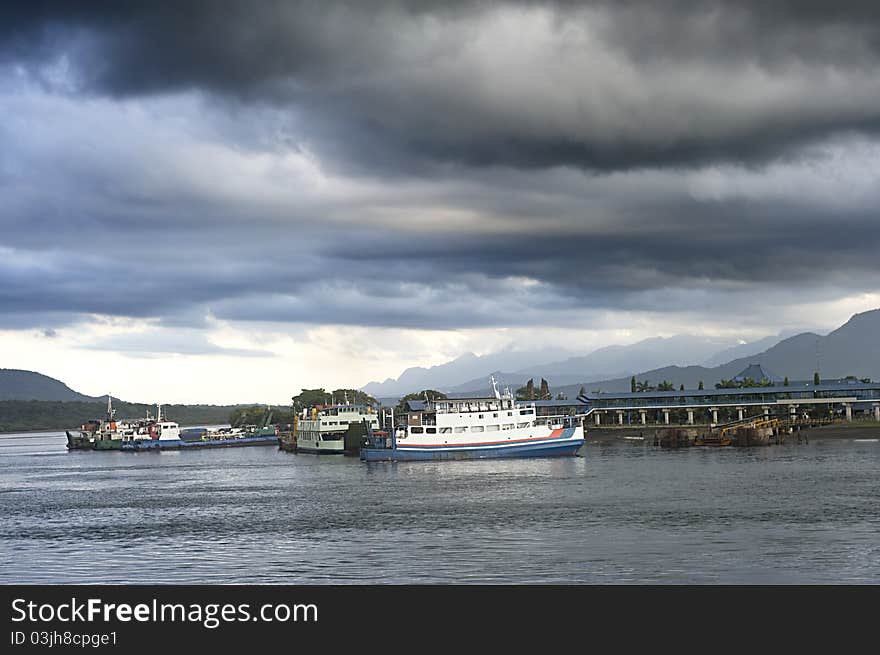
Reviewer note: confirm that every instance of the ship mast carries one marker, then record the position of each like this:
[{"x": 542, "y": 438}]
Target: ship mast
[{"x": 495, "y": 387}]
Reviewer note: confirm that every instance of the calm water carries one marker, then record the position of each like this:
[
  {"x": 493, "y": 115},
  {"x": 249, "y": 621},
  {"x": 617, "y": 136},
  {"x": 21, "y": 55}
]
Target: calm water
[{"x": 621, "y": 514}]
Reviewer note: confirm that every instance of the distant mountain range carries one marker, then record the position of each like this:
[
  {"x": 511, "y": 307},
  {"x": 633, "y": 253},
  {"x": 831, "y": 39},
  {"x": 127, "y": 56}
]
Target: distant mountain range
[
  {"x": 470, "y": 372},
  {"x": 461, "y": 369},
  {"x": 618, "y": 361},
  {"x": 852, "y": 349},
  {"x": 16, "y": 384}
]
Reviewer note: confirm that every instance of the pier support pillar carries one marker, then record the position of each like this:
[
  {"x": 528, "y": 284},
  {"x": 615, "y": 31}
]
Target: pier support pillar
[
  {"x": 876, "y": 407},
  {"x": 766, "y": 412},
  {"x": 666, "y": 416},
  {"x": 598, "y": 420},
  {"x": 619, "y": 418},
  {"x": 690, "y": 417},
  {"x": 714, "y": 415},
  {"x": 739, "y": 413},
  {"x": 792, "y": 412},
  {"x": 643, "y": 415},
  {"x": 848, "y": 409}
]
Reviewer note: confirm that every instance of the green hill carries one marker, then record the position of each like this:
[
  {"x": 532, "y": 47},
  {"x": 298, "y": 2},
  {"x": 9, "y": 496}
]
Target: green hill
[
  {"x": 23, "y": 415},
  {"x": 16, "y": 384},
  {"x": 32, "y": 401}
]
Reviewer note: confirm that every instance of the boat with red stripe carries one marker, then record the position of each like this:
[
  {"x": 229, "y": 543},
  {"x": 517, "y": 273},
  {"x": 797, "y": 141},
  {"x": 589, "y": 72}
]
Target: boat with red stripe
[{"x": 474, "y": 428}]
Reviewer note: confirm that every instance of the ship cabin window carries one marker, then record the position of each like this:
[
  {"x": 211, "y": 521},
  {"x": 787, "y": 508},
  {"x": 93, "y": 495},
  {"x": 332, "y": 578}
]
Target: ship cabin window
[
  {"x": 507, "y": 426},
  {"x": 480, "y": 416},
  {"x": 477, "y": 428},
  {"x": 523, "y": 412},
  {"x": 460, "y": 429},
  {"x": 415, "y": 430},
  {"x": 522, "y": 425},
  {"x": 431, "y": 430},
  {"x": 493, "y": 428},
  {"x": 495, "y": 415},
  {"x": 445, "y": 430}
]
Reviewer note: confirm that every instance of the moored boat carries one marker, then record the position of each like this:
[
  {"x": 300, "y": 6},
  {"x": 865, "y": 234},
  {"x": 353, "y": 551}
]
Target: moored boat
[
  {"x": 322, "y": 429},
  {"x": 167, "y": 435},
  {"x": 108, "y": 433},
  {"x": 475, "y": 428}
]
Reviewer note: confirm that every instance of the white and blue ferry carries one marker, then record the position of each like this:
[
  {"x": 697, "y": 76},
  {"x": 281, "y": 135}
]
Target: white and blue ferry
[{"x": 475, "y": 428}]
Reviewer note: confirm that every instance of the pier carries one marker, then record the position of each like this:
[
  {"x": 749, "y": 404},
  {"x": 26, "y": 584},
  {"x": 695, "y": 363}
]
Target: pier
[{"x": 728, "y": 416}]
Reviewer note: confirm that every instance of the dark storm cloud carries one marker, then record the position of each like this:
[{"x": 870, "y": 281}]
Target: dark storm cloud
[
  {"x": 479, "y": 126},
  {"x": 395, "y": 85}
]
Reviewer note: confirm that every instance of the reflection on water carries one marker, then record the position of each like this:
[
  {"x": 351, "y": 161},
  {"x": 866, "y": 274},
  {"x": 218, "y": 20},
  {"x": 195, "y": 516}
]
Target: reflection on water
[{"x": 622, "y": 513}]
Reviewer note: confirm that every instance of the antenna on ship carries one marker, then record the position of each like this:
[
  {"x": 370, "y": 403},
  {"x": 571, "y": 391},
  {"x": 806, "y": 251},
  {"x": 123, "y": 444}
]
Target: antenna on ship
[
  {"x": 495, "y": 387},
  {"x": 110, "y": 411}
]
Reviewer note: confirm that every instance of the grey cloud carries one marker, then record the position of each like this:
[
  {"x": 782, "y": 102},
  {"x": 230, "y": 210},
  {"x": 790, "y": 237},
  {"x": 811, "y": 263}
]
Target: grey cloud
[
  {"x": 400, "y": 86},
  {"x": 474, "y": 215},
  {"x": 625, "y": 242},
  {"x": 156, "y": 342}
]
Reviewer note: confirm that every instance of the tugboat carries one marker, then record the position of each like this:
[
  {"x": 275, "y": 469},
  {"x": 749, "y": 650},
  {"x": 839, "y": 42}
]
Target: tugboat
[
  {"x": 158, "y": 435},
  {"x": 474, "y": 428}
]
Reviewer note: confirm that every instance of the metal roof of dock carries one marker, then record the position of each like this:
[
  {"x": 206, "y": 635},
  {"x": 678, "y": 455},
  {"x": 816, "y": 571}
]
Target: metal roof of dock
[
  {"x": 756, "y": 372},
  {"x": 775, "y": 389}
]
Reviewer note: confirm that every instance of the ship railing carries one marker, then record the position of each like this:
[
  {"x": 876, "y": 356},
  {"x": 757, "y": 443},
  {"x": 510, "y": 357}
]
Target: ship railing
[{"x": 561, "y": 420}]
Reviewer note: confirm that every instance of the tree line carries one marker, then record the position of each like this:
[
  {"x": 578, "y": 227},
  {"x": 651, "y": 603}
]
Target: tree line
[{"x": 23, "y": 415}]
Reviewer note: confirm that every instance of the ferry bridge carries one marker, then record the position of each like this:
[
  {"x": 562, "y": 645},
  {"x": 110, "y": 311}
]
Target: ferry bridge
[{"x": 713, "y": 406}]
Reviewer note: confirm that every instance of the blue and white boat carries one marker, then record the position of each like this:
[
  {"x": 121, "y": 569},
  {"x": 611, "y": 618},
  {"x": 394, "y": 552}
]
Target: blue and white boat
[
  {"x": 163, "y": 434},
  {"x": 475, "y": 428}
]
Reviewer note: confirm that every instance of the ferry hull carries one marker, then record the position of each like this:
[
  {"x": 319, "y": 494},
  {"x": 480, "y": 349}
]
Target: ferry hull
[
  {"x": 79, "y": 442},
  {"x": 321, "y": 450},
  {"x": 566, "y": 446}
]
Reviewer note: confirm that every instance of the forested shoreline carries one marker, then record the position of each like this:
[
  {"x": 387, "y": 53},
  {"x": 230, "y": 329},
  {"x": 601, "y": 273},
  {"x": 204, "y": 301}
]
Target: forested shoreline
[{"x": 28, "y": 415}]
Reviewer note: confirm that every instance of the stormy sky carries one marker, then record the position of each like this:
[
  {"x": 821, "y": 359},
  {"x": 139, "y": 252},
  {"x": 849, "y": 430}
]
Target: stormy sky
[{"x": 227, "y": 202}]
